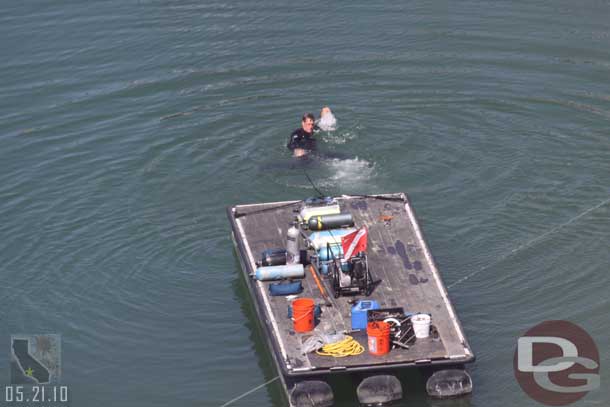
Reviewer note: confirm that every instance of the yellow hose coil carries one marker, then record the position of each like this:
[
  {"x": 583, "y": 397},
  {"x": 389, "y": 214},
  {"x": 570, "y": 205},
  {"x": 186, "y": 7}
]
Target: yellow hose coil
[{"x": 345, "y": 347}]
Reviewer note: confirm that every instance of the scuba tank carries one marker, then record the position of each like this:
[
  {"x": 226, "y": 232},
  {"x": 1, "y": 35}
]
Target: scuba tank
[
  {"x": 330, "y": 221},
  {"x": 319, "y": 210},
  {"x": 279, "y": 272},
  {"x": 292, "y": 245},
  {"x": 321, "y": 238},
  {"x": 273, "y": 257}
]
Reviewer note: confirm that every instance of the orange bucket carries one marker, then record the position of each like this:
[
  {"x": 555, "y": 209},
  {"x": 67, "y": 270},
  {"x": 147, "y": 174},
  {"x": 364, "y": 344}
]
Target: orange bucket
[
  {"x": 379, "y": 337},
  {"x": 302, "y": 314}
]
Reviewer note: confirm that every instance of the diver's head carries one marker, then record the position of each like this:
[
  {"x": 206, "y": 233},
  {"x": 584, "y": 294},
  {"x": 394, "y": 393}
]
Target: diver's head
[{"x": 307, "y": 122}]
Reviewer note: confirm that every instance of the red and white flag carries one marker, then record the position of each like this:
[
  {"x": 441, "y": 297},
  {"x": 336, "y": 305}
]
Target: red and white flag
[{"x": 354, "y": 242}]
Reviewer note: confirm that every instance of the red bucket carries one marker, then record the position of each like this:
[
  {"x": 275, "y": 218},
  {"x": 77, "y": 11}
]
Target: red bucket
[
  {"x": 379, "y": 337},
  {"x": 302, "y": 314}
]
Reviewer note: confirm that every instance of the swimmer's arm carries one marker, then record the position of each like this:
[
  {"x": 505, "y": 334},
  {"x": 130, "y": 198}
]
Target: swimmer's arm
[{"x": 292, "y": 141}]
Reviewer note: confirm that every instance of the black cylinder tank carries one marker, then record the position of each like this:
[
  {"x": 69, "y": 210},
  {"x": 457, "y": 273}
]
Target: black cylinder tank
[
  {"x": 330, "y": 221},
  {"x": 273, "y": 257}
]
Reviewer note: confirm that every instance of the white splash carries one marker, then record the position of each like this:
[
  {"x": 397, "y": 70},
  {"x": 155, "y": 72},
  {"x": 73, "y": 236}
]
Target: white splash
[
  {"x": 327, "y": 122},
  {"x": 339, "y": 137},
  {"x": 348, "y": 173}
]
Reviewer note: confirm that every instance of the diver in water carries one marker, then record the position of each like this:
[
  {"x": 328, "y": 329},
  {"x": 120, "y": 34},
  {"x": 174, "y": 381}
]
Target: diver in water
[{"x": 301, "y": 140}]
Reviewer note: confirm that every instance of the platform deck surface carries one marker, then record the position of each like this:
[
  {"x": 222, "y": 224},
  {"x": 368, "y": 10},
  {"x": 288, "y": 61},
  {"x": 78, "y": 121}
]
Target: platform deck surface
[{"x": 397, "y": 255}]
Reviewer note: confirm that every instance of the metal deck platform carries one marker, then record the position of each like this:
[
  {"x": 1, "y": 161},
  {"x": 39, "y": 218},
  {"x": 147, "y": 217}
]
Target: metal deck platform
[{"x": 398, "y": 255}]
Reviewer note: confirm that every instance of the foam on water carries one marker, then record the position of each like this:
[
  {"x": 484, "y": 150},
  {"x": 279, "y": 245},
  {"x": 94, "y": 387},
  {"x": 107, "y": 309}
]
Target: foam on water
[
  {"x": 333, "y": 176},
  {"x": 328, "y": 122},
  {"x": 341, "y": 136},
  {"x": 347, "y": 174}
]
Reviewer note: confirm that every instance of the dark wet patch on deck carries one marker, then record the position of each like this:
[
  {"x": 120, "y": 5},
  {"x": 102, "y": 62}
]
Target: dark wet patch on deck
[
  {"x": 358, "y": 204},
  {"x": 395, "y": 210},
  {"x": 402, "y": 252}
]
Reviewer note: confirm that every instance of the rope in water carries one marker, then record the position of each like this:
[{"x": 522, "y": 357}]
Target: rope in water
[{"x": 345, "y": 347}]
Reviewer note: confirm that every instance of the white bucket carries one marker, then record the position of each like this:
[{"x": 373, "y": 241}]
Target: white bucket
[{"x": 421, "y": 325}]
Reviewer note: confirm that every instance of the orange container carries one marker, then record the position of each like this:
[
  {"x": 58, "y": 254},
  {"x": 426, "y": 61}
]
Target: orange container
[
  {"x": 302, "y": 314},
  {"x": 379, "y": 337}
]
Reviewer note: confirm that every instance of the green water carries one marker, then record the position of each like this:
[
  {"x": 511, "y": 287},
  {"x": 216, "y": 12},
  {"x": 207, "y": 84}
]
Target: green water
[{"x": 128, "y": 126}]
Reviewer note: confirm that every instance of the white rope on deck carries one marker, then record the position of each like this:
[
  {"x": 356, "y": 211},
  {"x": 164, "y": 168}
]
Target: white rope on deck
[{"x": 529, "y": 243}]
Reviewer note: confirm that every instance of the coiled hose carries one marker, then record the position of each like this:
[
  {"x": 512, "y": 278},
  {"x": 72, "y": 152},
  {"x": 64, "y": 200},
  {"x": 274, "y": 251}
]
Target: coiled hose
[{"x": 348, "y": 346}]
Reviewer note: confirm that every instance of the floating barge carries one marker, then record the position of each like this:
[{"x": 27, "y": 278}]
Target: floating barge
[{"x": 406, "y": 276}]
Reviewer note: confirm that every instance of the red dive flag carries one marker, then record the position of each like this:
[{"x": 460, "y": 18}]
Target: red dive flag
[{"x": 354, "y": 242}]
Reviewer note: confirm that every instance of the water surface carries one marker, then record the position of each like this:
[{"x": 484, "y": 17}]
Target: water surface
[{"x": 128, "y": 127}]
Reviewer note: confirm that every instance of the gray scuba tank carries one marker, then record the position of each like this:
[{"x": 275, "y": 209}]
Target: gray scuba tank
[{"x": 292, "y": 245}]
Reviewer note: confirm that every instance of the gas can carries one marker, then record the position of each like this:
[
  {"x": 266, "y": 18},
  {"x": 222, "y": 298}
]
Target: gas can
[{"x": 359, "y": 319}]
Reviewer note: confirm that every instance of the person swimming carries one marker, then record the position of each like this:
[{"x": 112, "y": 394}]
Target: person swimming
[{"x": 302, "y": 140}]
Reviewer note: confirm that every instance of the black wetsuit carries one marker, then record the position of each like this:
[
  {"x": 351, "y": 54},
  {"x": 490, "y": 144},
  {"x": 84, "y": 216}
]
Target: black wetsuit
[{"x": 301, "y": 139}]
